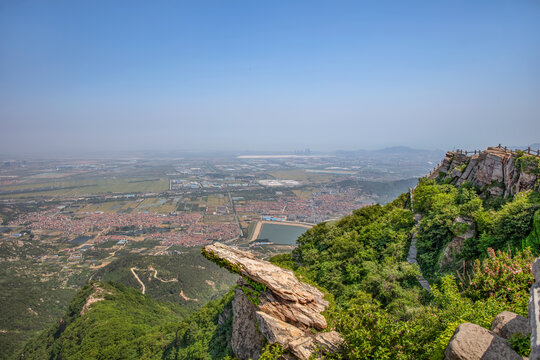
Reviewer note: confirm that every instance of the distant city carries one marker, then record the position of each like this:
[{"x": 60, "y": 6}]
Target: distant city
[{"x": 84, "y": 213}]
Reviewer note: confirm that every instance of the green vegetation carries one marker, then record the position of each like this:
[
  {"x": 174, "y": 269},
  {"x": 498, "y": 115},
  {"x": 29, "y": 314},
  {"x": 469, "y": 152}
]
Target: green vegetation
[
  {"x": 187, "y": 271},
  {"x": 251, "y": 288},
  {"x": 462, "y": 167},
  {"x": 26, "y": 308},
  {"x": 272, "y": 352},
  {"x": 528, "y": 163},
  {"x": 521, "y": 344},
  {"x": 507, "y": 228},
  {"x": 129, "y": 325},
  {"x": 364, "y": 251},
  {"x": 207, "y": 333},
  {"x": 302, "y": 175},
  {"x": 380, "y": 308},
  {"x": 33, "y": 294},
  {"x": 124, "y": 325}
]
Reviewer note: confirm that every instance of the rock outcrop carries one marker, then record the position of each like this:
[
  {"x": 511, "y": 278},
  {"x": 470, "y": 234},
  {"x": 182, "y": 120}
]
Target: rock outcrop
[
  {"x": 534, "y": 312},
  {"x": 473, "y": 342},
  {"x": 496, "y": 170},
  {"x": 246, "y": 341},
  {"x": 508, "y": 323},
  {"x": 272, "y": 304}
]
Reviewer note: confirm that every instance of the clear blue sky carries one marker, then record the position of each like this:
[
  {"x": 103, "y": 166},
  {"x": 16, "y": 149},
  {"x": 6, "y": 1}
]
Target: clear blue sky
[{"x": 268, "y": 75}]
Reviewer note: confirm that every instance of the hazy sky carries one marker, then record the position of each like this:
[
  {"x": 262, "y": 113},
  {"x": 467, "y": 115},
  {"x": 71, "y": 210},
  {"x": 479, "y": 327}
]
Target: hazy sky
[{"x": 81, "y": 76}]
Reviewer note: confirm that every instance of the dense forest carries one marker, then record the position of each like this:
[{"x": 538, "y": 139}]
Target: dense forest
[{"x": 475, "y": 250}]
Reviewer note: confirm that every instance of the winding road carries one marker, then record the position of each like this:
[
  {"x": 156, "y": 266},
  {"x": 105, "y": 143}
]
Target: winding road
[{"x": 137, "y": 278}]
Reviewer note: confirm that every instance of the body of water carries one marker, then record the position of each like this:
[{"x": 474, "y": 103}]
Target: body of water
[
  {"x": 281, "y": 234},
  {"x": 81, "y": 239}
]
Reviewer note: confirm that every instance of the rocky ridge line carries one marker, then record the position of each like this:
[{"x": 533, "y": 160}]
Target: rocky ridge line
[{"x": 272, "y": 305}]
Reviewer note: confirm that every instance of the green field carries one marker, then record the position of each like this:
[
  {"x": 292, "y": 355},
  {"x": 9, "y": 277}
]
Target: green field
[
  {"x": 86, "y": 187},
  {"x": 302, "y": 175}
]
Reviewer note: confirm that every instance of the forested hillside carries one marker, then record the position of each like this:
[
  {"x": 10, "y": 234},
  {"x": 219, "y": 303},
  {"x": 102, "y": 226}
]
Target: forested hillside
[
  {"x": 111, "y": 321},
  {"x": 381, "y": 310},
  {"x": 186, "y": 278}
]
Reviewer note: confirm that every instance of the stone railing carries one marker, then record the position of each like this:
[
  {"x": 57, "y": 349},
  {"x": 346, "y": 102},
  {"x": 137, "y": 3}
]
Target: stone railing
[
  {"x": 534, "y": 312},
  {"x": 527, "y": 150}
]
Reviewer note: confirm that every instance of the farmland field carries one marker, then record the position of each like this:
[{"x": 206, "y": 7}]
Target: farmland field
[
  {"x": 301, "y": 175},
  {"x": 85, "y": 187}
]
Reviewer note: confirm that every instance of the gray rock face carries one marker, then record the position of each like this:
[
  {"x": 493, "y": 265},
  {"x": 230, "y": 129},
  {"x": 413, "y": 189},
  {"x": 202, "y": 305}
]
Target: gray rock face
[
  {"x": 473, "y": 342},
  {"x": 534, "y": 312},
  {"x": 534, "y": 316},
  {"x": 304, "y": 347},
  {"x": 287, "y": 313},
  {"x": 246, "y": 340},
  {"x": 495, "y": 169},
  {"x": 508, "y": 323},
  {"x": 277, "y": 331},
  {"x": 536, "y": 270}
]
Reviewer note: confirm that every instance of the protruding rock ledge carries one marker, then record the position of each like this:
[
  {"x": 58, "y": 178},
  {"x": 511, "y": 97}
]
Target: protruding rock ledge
[
  {"x": 281, "y": 281},
  {"x": 287, "y": 312}
]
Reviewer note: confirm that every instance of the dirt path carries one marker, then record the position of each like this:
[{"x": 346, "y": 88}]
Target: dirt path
[
  {"x": 160, "y": 279},
  {"x": 185, "y": 297},
  {"x": 137, "y": 278}
]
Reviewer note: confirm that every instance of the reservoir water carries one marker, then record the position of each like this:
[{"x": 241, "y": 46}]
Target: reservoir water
[
  {"x": 81, "y": 239},
  {"x": 281, "y": 234}
]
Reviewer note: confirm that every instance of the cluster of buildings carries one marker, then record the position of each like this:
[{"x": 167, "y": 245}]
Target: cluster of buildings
[
  {"x": 322, "y": 206},
  {"x": 185, "y": 229},
  {"x": 78, "y": 224}
]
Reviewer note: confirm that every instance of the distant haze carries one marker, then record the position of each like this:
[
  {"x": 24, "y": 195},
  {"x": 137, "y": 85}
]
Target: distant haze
[{"x": 93, "y": 76}]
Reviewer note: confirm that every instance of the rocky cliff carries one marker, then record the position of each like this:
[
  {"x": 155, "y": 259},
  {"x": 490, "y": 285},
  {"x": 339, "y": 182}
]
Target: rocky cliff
[
  {"x": 272, "y": 305},
  {"x": 497, "y": 170}
]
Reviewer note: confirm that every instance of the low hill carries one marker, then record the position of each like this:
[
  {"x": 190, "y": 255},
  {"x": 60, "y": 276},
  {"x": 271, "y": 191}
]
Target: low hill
[
  {"x": 185, "y": 278},
  {"x": 111, "y": 321}
]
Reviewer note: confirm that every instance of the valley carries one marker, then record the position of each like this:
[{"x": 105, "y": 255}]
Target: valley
[{"x": 67, "y": 222}]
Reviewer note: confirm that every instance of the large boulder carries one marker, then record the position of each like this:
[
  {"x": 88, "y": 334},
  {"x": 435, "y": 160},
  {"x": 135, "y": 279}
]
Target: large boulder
[
  {"x": 508, "y": 323},
  {"x": 285, "y": 310},
  {"x": 473, "y": 342}
]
